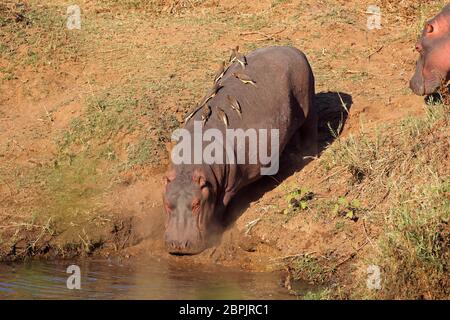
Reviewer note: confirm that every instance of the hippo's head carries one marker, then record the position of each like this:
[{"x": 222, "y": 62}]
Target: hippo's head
[
  {"x": 190, "y": 204},
  {"x": 433, "y": 66}
]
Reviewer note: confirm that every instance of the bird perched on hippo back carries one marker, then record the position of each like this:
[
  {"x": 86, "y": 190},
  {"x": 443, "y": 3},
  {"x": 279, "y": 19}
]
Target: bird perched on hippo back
[
  {"x": 222, "y": 116},
  {"x": 234, "y": 104},
  {"x": 433, "y": 65},
  {"x": 211, "y": 94},
  {"x": 197, "y": 193},
  {"x": 206, "y": 112},
  {"x": 234, "y": 53},
  {"x": 220, "y": 72},
  {"x": 239, "y": 57},
  {"x": 244, "y": 78}
]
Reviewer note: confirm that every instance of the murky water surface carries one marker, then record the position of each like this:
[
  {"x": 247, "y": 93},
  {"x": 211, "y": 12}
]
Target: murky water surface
[{"x": 150, "y": 279}]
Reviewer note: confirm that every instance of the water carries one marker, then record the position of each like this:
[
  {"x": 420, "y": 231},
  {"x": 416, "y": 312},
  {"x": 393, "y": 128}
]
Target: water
[{"x": 149, "y": 279}]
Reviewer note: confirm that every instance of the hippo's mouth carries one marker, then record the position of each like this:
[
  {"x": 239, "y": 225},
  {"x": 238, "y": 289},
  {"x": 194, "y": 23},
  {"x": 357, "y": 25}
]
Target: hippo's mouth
[
  {"x": 185, "y": 241},
  {"x": 422, "y": 85},
  {"x": 185, "y": 247}
]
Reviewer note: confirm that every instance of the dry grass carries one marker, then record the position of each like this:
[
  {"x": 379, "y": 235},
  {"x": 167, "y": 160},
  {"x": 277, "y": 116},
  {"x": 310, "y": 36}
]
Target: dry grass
[
  {"x": 404, "y": 9},
  {"x": 35, "y": 35},
  {"x": 409, "y": 10},
  {"x": 402, "y": 173},
  {"x": 157, "y": 6},
  {"x": 415, "y": 249},
  {"x": 444, "y": 93}
]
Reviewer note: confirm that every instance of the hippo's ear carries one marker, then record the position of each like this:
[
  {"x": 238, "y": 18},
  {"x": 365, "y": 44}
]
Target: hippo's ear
[
  {"x": 199, "y": 178},
  {"x": 429, "y": 27},
  {"x": 169, "y": 176}
]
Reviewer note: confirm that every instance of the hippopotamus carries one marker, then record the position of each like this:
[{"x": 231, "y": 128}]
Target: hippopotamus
[
  {"x": 433, "y": 66},
  {"x": 269, "y": 88}
]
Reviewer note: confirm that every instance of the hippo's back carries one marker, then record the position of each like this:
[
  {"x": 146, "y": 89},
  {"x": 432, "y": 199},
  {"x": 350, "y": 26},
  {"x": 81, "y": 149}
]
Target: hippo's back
[
  {"x": 282, "y": 75},
  {"x": 280, "y": 98}
]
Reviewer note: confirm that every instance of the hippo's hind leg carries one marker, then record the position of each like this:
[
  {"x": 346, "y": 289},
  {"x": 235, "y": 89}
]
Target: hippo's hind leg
[
  {"x": 304, "y": 94},
  {"x": 308, "y": 131},
  {"x": 309, "y": 134}
]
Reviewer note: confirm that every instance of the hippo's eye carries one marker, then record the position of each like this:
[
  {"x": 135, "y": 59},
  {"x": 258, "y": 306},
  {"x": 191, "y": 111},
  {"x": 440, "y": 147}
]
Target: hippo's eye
[
  {"x": 429, "y": 28},
  {"x": 195, "y": 205}
]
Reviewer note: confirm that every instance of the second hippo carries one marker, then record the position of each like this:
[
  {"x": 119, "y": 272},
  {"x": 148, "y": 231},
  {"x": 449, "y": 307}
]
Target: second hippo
[{"x": 433, "y": 66}]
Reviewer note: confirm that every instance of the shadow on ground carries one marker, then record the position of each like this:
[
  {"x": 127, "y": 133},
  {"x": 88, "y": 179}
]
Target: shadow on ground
[{"x": 333, "y": 111}]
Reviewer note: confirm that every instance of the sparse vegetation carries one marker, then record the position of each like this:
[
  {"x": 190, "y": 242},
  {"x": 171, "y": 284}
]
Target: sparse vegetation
[
  {"x": 347, "y": 209},
  {"x": 403, "y": 170},
  {"x": 35, "y": 35},
  {"x": 157, "y": 6},
  {"x": 298, "y": 200},
  {"x": 113, "y": 115},
  {"x": 322, "y": 294},
  {"x": 309, "y": 268},
  {"x": 415, "y": 248}
]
